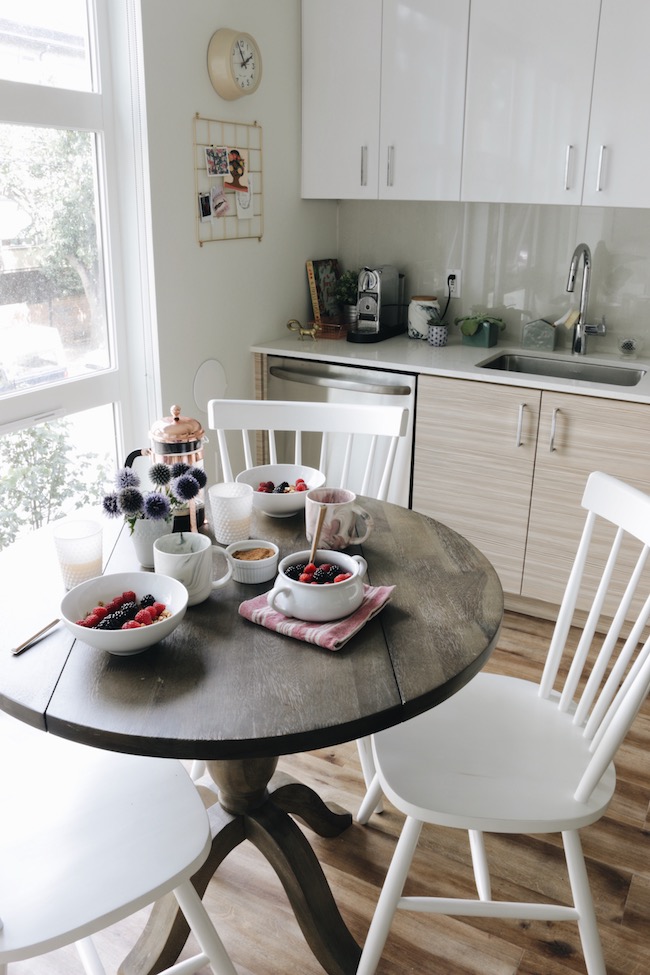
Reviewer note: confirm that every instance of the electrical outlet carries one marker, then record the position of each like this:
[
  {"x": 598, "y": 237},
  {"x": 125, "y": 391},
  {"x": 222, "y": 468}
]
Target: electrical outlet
[{"x": 454, "y": 286}]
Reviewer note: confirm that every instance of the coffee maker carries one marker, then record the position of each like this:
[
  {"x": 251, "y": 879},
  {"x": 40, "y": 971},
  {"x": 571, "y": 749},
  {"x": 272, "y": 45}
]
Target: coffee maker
[{"x": 380, "y": 305}]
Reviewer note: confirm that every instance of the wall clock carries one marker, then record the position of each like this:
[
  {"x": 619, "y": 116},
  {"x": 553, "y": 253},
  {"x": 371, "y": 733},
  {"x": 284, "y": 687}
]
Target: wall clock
[{"x": 234, "y": 63}]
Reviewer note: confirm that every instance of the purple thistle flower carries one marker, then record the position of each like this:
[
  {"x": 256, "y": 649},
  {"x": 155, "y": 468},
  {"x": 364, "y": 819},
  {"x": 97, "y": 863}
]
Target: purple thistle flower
[
  {"x": 160, "y": 474},
  {"x": 186, "y": 487},
  {"x": 111, "y": 506},
  {"x": 126, "y": 477},
  {"x": 199, "y": 475},
  {"x": 156, "y": 506},
  {"x": 130, "y": 501},
  {"x": 179, "y": 468}
]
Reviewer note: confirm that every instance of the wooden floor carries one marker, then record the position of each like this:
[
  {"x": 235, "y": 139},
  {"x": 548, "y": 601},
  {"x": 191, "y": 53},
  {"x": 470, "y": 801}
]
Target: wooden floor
[{"x": 258, "y": 928}]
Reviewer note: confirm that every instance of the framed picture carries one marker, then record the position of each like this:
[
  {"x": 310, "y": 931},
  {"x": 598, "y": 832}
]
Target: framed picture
[{"x": 322, "y": 276}]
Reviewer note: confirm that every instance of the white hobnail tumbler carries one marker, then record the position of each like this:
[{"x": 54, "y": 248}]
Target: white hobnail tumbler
[{"x": 232, "y": 511}]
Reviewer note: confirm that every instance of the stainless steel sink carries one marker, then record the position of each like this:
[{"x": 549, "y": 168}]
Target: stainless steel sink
[{"x": 590, "y": 372}]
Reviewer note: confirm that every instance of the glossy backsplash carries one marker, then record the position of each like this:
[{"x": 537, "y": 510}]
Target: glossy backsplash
[{"x": 514, "y": 259}]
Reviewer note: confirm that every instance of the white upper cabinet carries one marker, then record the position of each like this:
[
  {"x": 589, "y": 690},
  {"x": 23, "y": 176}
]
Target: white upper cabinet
[
  {"x": 341, "y": 79},
  {"x": 383, "y": 97},
  {"x": 619, "y": 137},
  {"x": 529, "y": 79}
]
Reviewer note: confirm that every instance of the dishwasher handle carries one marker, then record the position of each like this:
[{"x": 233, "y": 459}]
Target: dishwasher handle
[{"x": 331, "y": 382}]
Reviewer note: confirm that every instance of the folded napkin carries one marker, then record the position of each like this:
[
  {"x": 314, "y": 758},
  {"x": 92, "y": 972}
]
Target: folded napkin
[{"x": 331, "y": 636}]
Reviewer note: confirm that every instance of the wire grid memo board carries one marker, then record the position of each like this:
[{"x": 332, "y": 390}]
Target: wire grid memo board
[{"x": 237, "y": 223}]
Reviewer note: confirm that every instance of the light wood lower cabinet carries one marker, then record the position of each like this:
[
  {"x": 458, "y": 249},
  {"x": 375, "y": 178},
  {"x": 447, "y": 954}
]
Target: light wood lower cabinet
[
  {"x": 506, "y": 467},
  {"x": 473, "y": 465}
]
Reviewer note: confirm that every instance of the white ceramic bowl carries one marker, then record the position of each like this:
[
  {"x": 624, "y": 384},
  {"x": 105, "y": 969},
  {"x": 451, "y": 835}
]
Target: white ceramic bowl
[
  {"x": 319, "y": 603},
  {"x": 253, "y": 570},
  {"x": 77, "y": 603},
  {"x": 280, "y": 505}
]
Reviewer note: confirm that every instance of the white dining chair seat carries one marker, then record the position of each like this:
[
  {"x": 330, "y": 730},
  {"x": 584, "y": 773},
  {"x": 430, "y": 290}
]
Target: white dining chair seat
[
  {"x": 88, "y": 838},
  {"x": 473, "y": 780}
]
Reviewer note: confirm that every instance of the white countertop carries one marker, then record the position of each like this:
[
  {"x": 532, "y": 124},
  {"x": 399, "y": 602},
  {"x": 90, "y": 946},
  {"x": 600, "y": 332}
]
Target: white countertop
[{"x": 458, "y": 361}]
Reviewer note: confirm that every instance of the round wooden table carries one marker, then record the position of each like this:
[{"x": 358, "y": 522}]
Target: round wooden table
[{"x": 237, "y": 695}]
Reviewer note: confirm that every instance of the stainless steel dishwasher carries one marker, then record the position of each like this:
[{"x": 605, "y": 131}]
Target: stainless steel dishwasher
[{"x": 323, "y": 382}]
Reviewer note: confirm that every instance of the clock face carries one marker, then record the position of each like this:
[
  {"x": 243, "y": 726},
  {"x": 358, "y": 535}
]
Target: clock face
[{"x": 245, "y": 64}]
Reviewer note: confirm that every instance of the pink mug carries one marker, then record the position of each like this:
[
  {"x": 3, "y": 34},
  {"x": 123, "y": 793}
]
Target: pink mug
[{"x": 345, "y": 523}]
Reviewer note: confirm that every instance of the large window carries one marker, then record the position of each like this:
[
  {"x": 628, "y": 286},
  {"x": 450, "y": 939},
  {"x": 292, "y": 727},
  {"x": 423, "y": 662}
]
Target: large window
[{"x": 65, "y": 364}]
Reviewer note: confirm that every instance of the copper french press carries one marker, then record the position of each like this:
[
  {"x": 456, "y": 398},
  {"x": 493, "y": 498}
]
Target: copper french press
[{"x": 176, "y": 439}]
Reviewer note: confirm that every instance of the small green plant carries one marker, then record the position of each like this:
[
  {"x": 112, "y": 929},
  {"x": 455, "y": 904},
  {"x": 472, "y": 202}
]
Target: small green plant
[
  {"x": 470, "y": 324},
  {"x": 345, "y": 289}
]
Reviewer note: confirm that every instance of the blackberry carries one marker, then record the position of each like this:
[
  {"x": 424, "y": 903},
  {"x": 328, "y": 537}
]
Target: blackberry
[
  {"x": 321, "y": 576},
  {"x": 148, "y": 600},
  {"x": 292, "y": 571},
  {"x": 115, "y": 619},
  {"x": 281, "y": 488}
]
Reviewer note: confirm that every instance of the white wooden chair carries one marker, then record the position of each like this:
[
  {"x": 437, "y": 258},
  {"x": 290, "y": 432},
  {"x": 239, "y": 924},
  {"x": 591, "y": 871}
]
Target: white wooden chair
[
  {"x": 364, "y": 429},
  {"x": 92, "y": 838},
  {"x": 510, "y": 756},
  {"x": 358, "y": 424}
]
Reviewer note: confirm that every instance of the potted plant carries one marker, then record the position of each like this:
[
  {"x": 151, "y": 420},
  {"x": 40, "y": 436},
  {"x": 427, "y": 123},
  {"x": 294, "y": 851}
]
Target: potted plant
[
  {"x": 345, "y": 293},
  {"x": 480, "y": 329}
]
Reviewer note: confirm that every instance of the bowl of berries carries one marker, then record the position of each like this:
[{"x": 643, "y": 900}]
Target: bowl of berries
[
  {"x": 279, "y": 489},
  {"x": 126, "y": 612},
  {"x": 328, "y": 588}
]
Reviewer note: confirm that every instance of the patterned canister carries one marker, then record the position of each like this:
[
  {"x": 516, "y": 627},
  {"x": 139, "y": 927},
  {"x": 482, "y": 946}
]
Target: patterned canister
[
  {"x": 437, "y": 335},
  {"x": 421, "y": 309}
]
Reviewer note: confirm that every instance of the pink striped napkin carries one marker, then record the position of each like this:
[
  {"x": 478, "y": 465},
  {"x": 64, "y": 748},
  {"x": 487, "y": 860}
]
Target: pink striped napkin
[{"x": 331, "y": 636}]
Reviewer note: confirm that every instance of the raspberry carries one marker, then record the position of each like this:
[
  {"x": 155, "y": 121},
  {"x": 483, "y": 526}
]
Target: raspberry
[
  {"x": 128, "y": 596},
  {"x": 159, "y": 608},
  {"x": 305, "y": 577},
  {"x": 343, "y": 576},
  {"x": 143, "y": 616},
  {"x": 301, "y": 486},
  {"x": 92, "y": 620},
  {"x": 310, "y": 568},
  {"x": 81, "y": 622},
  {"x": 100, "y": 611},
  {"x": 131, "y": 625}
]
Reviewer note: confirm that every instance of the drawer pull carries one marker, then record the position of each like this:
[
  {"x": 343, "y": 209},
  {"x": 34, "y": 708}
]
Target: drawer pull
[
  {"x": 567, "y": 166},
  {"x": 599, "y": 177},
  {"x": 520, "y": 425},
  {"x": 551, "y": 445},
  {"x": 364, "y": 165}
]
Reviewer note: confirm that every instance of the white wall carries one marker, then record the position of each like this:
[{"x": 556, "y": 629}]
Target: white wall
[{"x": 213, "y": 302}]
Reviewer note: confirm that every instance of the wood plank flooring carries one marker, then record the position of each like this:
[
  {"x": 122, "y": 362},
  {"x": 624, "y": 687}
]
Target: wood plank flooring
[{"x": 258, "y": 928}]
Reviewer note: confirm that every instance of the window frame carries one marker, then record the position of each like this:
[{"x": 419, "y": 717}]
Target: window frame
[{"x": 131, "y": 384}]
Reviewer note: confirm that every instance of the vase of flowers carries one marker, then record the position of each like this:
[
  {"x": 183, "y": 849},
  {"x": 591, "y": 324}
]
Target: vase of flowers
[{"x": 149, "y": 513}]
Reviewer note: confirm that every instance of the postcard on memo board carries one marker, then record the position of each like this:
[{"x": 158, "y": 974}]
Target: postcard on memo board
[{"x": 322, "y": 276}]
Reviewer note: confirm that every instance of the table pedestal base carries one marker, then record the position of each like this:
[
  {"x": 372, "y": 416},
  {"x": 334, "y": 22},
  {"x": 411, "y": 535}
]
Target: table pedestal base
[{"x": 254, "y": 804}]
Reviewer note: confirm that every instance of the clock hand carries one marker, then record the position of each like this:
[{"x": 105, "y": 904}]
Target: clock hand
[{"x": 241, "y": 54}]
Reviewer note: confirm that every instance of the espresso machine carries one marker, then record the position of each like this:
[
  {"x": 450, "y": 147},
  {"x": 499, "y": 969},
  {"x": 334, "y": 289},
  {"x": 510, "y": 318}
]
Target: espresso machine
[{"x": 380, "y": 305}]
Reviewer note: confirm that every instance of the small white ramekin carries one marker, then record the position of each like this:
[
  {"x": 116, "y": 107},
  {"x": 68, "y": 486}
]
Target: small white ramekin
[{"x": 258, "y": 570}]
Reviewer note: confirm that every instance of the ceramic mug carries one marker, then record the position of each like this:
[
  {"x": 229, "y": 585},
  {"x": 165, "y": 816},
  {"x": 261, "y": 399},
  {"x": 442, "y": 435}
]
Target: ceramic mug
[
  {"x": 187, "y": 557},
  {"x": 346, "y": 522}
]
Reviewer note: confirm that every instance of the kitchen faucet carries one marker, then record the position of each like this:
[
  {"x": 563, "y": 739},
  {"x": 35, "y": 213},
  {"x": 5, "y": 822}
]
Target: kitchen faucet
[{"x": 581, "y": 329}]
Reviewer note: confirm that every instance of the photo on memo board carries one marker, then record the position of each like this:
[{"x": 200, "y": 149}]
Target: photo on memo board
[{"x": 322, "y": 277}]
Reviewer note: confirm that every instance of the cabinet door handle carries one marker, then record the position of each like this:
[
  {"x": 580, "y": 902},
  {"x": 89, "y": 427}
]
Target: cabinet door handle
[
  {"x": 551, "y": 445},
  {"x": 599, "y": 175},
  {"x": 390, "y": 160},
  {"x": 520, "y": 425},
  {"x": 364, "y": 165},
  {"x": 567, "y": 166}
]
